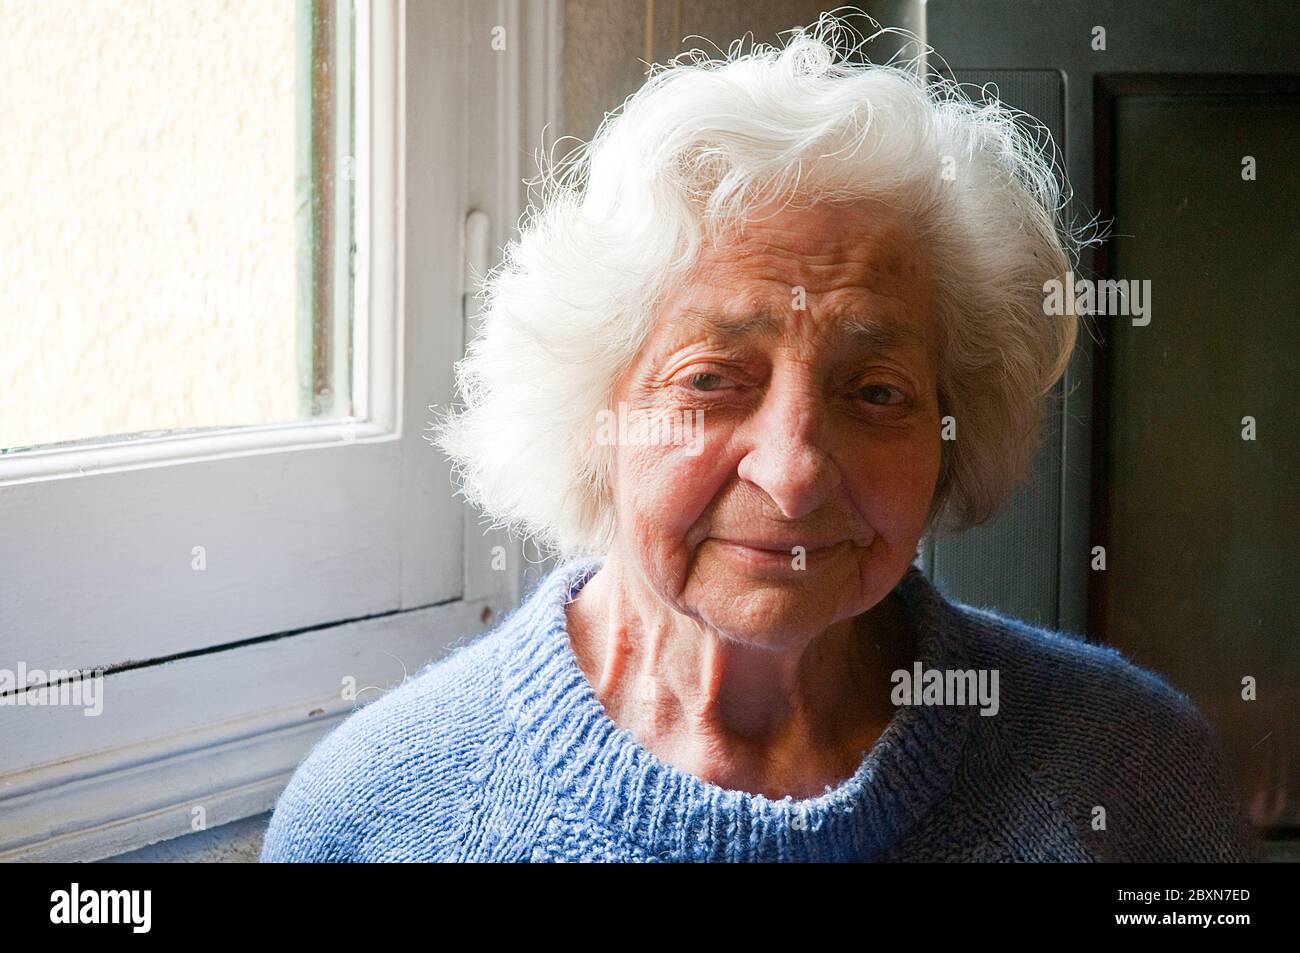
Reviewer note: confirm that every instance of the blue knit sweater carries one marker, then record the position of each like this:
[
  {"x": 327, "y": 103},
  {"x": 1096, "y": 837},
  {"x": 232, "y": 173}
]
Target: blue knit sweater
[{"x": 501, "y": 751}]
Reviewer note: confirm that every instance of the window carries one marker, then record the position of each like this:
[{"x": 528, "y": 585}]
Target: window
[
  {"x": 217, "y": 496},
  {"x": 178, "y": 253}
]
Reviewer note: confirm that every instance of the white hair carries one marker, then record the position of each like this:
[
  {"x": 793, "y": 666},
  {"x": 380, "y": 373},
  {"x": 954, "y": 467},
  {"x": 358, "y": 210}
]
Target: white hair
[{"x": 700, "y": 145}]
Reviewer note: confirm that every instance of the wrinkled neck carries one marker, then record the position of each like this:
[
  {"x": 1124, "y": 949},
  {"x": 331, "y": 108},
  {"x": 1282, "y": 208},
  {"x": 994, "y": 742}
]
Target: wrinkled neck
[{"x": 755, "y": 717}]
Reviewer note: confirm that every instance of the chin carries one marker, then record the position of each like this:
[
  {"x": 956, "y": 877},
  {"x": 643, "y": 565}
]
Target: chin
[{"x": 764, "y": 612}]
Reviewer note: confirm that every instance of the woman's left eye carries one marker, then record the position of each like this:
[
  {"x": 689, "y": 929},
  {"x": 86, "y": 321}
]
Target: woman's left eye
[
  {"x": 880, "y": 394},
  {"x": 705, "y": 381}
]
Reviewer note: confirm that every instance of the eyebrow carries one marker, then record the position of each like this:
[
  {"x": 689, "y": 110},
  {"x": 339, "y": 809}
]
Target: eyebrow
[{"x": 855, "y": 329}]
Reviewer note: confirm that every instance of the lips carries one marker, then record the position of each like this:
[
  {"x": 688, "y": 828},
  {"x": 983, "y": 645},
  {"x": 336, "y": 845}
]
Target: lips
[{"x": 771, "y": 559}]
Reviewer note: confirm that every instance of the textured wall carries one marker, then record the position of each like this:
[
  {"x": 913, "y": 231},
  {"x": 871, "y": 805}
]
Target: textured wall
[{"x": 147, "y": 243}]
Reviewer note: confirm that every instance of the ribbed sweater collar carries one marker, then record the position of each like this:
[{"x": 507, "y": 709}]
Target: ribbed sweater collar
[{"x": 603, "y": 771}]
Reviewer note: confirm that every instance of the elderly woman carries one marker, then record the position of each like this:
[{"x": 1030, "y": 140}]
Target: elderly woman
[{"x": 782, "y": 317}]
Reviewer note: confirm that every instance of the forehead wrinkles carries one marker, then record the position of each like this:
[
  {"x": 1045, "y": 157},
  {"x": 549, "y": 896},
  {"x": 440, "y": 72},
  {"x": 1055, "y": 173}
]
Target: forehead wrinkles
[
  {"x": 857, "y": 262},
  {"x": 839, "y": 329},
  {"x": 755, "y": 302},
  {"x": 884, "y": 260}
]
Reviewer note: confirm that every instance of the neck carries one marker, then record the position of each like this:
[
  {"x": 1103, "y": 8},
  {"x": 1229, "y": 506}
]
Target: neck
[{"x": 775, "y": 721}]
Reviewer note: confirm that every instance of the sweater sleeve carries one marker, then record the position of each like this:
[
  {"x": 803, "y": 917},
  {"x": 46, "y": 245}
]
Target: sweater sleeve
[
  {"x": 317, "y": 816},
  {"x": 1187, "y": 793},
  {"x": 400, "y": 779},
  {"x": 1123, "y": 755}
]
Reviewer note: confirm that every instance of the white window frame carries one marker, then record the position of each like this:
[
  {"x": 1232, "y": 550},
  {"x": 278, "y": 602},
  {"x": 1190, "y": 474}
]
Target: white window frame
[{"x": 333, "y": 549}]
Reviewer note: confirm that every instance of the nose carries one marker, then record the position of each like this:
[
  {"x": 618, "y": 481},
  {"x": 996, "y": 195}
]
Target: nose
[{"x": 786, "y": 455}]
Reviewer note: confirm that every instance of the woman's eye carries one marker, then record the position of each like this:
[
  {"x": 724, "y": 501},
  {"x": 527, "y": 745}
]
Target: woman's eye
[
  {"x": 704, "y": 381},
  {"x": 880, "y": 394}
]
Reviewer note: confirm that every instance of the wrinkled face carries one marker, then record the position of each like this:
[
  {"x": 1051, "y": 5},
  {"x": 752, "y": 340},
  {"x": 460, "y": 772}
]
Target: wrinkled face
[{"x": 779, "y": 439}]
